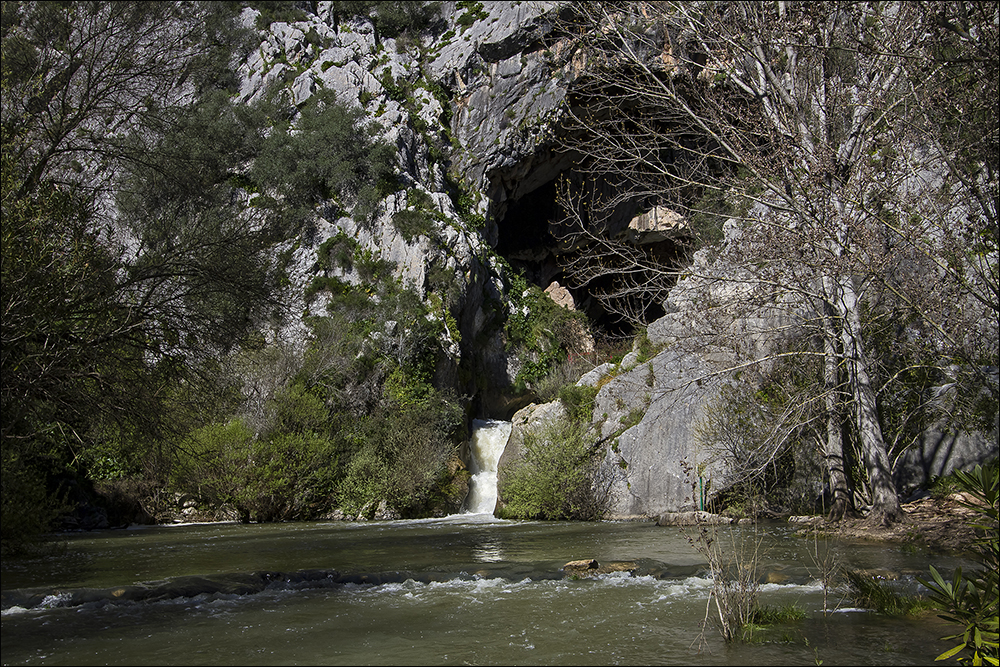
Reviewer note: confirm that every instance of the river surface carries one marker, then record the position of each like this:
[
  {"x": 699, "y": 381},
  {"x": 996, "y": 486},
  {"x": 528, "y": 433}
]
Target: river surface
[{"x": 465, "y": 589}]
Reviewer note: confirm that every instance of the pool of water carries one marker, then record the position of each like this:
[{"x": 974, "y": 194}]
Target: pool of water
[{"x": 466, "y": 589}]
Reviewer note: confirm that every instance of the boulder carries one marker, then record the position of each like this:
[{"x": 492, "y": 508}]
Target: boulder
[
  {"x": 591, "y": 568},
  {"x": 656, "y": 225},
  {"x": 560, "y": 295}
]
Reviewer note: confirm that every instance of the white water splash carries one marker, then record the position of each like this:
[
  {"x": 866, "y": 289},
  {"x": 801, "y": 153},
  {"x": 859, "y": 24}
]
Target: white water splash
[{"x": 489, "y": 438}]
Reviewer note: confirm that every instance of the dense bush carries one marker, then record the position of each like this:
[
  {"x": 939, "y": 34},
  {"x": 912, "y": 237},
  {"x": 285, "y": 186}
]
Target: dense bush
[
  {"x": 285, "y": 474},
  {"x": 558, "y": 477},
  {"x": 351, "y": 421},
  {"x": 402, "y": 455}
]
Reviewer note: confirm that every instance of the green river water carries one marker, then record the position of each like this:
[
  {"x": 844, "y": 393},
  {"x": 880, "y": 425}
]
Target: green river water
[{"x": 468, "y": 589}]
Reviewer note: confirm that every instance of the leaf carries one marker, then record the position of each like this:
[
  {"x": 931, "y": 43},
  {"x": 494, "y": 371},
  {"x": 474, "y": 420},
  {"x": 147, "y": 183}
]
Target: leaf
[
  {"x": 943, "y": 586},
  {"x": 950, "y": 652}
]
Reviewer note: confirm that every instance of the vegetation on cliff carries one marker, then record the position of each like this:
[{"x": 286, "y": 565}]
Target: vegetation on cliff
[{"x": 143, "y": 213}]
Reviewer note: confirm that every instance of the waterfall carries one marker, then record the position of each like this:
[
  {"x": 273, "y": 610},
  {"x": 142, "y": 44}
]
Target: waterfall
[{"x": 489, "y": 437}]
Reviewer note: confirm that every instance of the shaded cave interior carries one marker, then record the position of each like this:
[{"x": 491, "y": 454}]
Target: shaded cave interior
[{"x": 530, "y": 236}]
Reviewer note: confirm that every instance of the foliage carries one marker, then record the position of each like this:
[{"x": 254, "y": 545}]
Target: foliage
[
  {"x": 465, "y": 200},
  {"x": 578, "y": 401},
  {"x": 562, "y": 375},
  {"x": 271, "y": 11},
  {"x": 870, "y": 593},
  {"x": 540, "y": 330},
  {"x": 971, "y": 602},
  {"x": 352, "y": 421},
  {"x": 402, "y": 454},
  {"x": 418, "y": 218},
  {"x": 112, "y": 321},
  {"x": 281, "y": 476},
  {"x": 557, "y": 478},
  {"x": 395, "y": 18},
  {"x": 28, "y": 507},
  {"x": 764, "y": 617},
  {"x": 472, "y": 11},
  {"x": 332, "y": 155}
]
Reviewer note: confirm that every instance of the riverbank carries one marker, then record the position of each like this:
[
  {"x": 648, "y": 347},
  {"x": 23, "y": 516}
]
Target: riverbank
[{"x": 938, "y": 523}]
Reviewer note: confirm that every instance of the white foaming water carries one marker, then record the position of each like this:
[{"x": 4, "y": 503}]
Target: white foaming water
[{"x": 489, "y": 438}]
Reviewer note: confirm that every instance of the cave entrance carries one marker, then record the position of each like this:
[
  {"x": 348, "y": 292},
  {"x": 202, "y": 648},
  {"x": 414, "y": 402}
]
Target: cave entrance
[{"x": 532, "y": 238}]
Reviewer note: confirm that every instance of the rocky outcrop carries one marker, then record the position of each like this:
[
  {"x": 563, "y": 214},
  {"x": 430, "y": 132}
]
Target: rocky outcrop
[
  {"x": 586, "y": 568},
  {"x": 468, "y": 110}
]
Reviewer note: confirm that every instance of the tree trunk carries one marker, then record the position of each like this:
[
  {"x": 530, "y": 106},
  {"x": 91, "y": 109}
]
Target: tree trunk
[
  {"x": 885, "y": 503},
  {"x": 833, "y": 446}
]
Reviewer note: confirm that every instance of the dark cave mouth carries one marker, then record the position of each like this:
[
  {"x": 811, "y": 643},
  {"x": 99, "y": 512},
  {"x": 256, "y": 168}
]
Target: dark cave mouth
[{"x": 527, "y": 237}]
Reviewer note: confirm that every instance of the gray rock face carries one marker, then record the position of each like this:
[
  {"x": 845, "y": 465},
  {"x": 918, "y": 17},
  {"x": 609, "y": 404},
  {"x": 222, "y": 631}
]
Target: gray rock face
[
  {"x": 502, "y": 88},
  {"x": 648, "y": 415}
]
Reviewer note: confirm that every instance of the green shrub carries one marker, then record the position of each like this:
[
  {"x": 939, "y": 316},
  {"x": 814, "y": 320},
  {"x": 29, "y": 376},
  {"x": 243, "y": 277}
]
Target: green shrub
[
  {"x": 578, "y": 401},
  {"x": 411, "y": 224},
  {"x": 337, "y": 251},
  {"x": 419, "y": 217},
  {"x": 560, "y": 375},
  {"x": 334, "y": 156},
  {"x": 557, "y": 478},
  {"x": 402, "y": 456},
  {"x": 288, "y": 475}
]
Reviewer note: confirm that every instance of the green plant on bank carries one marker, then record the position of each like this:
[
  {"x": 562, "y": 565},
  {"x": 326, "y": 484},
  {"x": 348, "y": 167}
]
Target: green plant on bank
[
  {"x": 868, "y": 592},
  {"x": 562, "y": 376},
  {"x": 557, "y": 478},
  {"x": 970, "y": 600}
]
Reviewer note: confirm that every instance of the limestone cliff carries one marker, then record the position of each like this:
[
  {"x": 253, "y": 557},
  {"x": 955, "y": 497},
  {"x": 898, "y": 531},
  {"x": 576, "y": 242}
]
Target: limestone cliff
[
  {"x": 468, "y": 107},
  {"x": 472, "y": 107}
]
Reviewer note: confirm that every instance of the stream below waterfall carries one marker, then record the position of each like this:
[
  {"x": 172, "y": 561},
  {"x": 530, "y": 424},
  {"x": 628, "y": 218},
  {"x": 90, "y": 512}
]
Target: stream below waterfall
[{"x": 463, "y": 589}]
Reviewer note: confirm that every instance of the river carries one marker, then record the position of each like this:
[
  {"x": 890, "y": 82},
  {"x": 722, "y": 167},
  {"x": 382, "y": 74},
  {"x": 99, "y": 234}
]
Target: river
[{"x": 463, "y": 589}]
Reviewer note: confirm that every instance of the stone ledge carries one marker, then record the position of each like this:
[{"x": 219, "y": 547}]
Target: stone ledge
[{"x": 696, "y": 518}]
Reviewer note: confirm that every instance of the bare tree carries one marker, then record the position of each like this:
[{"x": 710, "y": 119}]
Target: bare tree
[{"x": 810, "y": 117}]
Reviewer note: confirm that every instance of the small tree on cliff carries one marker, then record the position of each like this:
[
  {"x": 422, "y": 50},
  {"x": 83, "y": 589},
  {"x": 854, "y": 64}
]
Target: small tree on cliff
[{"x": 804, "y": 115}]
